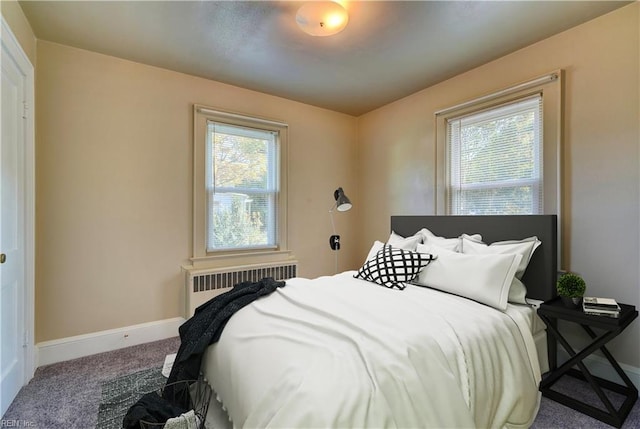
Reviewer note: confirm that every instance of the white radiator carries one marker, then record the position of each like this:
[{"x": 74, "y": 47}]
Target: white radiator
[{"x": 204, "y": 284}]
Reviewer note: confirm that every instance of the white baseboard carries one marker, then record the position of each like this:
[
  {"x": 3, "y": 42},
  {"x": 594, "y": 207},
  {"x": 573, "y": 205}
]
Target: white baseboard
[
  {"x": 600, "y": 367},
  {"x": 53, "y": 351}
]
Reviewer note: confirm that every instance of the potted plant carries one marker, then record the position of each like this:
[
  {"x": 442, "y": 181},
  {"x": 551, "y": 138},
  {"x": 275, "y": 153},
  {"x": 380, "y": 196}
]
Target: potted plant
[{"x": 571, "y": 288}]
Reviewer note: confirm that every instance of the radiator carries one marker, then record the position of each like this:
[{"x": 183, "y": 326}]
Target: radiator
[{"x": 202, "y": 285}]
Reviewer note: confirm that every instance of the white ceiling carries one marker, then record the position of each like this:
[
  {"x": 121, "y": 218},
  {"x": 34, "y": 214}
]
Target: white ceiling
[{"x": 389, "y": 49}]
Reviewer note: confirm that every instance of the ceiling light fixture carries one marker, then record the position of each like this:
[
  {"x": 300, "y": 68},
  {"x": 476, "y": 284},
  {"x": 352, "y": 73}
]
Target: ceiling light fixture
[{"x": 322, "y": 18}]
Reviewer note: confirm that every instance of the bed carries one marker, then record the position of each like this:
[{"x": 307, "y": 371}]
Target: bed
[{"x": 340, "y": 351}]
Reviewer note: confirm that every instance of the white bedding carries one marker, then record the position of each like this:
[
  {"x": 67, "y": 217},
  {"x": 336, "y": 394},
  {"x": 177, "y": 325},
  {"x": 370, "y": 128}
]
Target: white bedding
[{"x": 342, "y": 352}]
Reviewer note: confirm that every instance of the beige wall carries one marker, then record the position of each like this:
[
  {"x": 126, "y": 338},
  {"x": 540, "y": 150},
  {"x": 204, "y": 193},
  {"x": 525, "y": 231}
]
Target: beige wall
[
  {"x": 12, "y": 13},
  {"x": 114, "y": 186},
  {"x": 114, "y": 172},
  {"x": 601, "y": 219}
]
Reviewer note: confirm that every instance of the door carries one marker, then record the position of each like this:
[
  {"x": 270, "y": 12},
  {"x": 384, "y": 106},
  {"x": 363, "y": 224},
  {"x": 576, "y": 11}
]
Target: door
[{"x": 13, "y": 129}]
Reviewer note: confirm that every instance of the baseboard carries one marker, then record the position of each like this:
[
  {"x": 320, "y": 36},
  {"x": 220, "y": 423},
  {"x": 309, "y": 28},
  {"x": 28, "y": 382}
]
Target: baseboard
[
  {"x": 49, "y": 352},
  {"x": 600, "y": 367}
]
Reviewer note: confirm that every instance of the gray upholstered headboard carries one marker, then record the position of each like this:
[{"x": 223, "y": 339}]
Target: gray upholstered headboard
[{"x": 540, "y": 277}]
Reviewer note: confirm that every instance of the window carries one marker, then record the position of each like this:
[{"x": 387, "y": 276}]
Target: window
[
  {"x": 495, "y": 160},
  {"x": 242, "y": 187},
  {"x": 500, "y": 153},
  {"x": 239, "y": 185}
]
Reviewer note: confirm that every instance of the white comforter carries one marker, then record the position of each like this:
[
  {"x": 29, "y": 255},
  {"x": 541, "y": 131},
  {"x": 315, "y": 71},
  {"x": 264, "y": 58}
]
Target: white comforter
[{"x": 342, "y": 352}]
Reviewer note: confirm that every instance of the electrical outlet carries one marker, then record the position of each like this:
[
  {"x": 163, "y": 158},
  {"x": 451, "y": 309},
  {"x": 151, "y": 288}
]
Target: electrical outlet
[{"x": 334, "y": 242}]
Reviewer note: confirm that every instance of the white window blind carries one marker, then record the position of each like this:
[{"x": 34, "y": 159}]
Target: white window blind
[
  {"x": 242, "y": 184},
  {"x": 495, "y": 160}
]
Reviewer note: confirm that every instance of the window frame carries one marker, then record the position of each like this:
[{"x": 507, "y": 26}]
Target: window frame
[
  {"x": 551, "y": 91},
  {"x": 202, "y": 116}
]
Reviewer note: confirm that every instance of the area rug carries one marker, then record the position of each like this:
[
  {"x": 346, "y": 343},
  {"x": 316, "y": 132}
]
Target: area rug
[{"x": 120, "y": 393}]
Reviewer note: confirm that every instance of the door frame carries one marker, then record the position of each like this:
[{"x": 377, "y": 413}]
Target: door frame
[{"x": 12, "y": 47}]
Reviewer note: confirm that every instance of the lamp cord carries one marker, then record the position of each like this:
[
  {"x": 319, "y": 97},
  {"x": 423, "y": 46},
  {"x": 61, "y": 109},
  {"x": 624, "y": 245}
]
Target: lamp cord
[{"x": 333, "y": 225}]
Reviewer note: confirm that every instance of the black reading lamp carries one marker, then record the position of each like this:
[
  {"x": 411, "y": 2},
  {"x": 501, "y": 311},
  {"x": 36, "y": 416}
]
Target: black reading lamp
[{"x": 342, "y": 204}]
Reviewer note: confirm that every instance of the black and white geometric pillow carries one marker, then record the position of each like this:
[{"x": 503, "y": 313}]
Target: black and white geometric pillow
[{"x": 393, "y": 267}]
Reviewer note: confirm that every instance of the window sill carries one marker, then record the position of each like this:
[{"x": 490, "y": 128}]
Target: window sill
[{"x": 241, "y": 258}]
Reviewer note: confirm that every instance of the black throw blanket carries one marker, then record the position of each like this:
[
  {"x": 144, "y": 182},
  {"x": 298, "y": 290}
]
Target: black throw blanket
[{"x": 201, "y": 330}]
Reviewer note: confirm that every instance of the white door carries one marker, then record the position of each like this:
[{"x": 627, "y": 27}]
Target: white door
[{"x": 13, "y": 350}]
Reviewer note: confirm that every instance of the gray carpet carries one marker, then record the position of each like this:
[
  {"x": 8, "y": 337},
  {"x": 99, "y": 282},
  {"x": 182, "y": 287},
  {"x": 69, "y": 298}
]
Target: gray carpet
[
  {"x": 67, "y": 394},
  {"x": 555, "y": 415}
]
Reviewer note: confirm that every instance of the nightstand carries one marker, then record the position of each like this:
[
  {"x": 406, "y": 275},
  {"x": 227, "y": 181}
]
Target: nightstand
[{"x": 552, "y": 311}]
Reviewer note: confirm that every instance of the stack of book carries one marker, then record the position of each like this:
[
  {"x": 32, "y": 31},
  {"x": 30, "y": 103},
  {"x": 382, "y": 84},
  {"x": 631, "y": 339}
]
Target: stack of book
[{"x": 600, "y": 306}]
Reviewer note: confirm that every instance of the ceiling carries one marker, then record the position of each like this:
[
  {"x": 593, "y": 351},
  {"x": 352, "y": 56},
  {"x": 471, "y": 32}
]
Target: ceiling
[{"x": 389, "y": 49}]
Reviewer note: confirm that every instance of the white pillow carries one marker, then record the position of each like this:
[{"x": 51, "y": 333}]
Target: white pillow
[
  {"x": 484, "y": 278},
  {"x": 377, "y": 245},
  {"x": 524, "y": 247},
  {"x": 400, "y": 242},
  {"x": 518, "y": 292},
  {"x": 453, "y": 244},
  {"x": 395, "y": 240}
]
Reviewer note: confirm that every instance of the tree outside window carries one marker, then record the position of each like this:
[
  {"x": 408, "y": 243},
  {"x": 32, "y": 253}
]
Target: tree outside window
[
  {"x": 495, "y": 160},
  {"x": 242, "y": 187}
]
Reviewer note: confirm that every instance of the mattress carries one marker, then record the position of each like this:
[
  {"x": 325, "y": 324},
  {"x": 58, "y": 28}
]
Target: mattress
[{"x": 341, "y": 352}]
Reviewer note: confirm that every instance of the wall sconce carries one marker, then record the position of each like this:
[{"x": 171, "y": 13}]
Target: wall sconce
[
  {"x": 322, "y": 18},
  {"x": 342, "y": 204}
]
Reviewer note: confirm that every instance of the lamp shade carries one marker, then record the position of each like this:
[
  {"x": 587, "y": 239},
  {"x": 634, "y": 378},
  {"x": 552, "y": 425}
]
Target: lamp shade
[
  {"x": 322, "y": 18},
  {"x": 342, "y": 201}
]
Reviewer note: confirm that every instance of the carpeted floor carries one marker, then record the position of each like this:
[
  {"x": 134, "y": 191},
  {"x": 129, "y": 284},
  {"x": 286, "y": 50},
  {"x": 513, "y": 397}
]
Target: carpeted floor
[
  {"x": 554, "y": 415},
  {"x": 67, "y": 395}
]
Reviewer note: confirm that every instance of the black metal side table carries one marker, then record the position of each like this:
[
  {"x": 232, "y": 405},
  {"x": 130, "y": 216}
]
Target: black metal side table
[{"x": 552, "y": 311}]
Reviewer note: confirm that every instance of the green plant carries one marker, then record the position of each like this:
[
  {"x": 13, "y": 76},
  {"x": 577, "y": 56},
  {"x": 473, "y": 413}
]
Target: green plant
[{"x": 571, "y": 285}]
